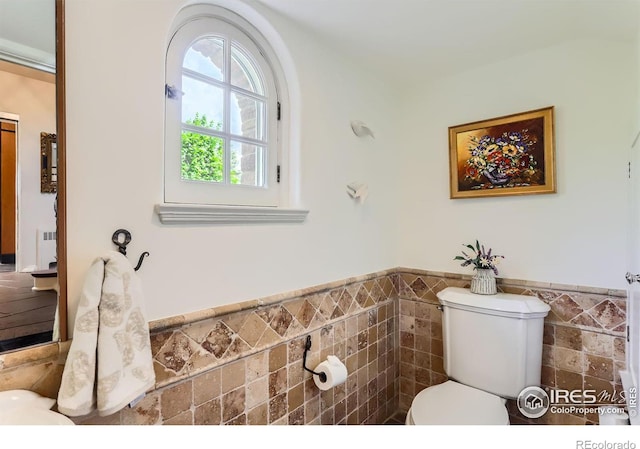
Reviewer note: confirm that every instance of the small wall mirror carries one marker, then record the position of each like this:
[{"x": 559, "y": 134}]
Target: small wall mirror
[{"x": 48, "y": 163}]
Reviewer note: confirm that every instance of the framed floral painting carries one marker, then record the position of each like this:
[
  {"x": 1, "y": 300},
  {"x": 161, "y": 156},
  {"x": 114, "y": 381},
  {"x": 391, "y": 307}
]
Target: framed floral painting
[{"x": 510, "y": 155}]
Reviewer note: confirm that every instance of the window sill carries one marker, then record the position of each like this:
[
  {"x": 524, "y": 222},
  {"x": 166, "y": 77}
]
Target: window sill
[{"x": 207, "y": 214}]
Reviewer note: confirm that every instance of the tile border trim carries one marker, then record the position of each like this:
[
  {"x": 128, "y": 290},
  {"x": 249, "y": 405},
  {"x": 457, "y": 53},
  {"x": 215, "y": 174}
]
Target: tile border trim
[
  {"x": 214, "y": 312},
  {"x": 519, "y": 282}
]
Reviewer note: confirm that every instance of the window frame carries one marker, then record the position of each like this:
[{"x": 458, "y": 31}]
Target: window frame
[
  {"x": 189, "y": 210},
  {"x": 178, "y": 190}
]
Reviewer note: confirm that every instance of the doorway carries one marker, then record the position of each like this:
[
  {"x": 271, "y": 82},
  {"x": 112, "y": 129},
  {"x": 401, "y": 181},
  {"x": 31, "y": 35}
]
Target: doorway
[
  {"x": 8, "y": 166},
  {"x": 26, "y": 314}
]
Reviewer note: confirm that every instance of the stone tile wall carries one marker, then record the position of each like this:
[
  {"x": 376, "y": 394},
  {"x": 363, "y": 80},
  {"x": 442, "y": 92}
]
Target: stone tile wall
[
  {"x": 271, "y": 387},
  {"x": 246, "y": 367},
  {"x": 584, "y": 338}
]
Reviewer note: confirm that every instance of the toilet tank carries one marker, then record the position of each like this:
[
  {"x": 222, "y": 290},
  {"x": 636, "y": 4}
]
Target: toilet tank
[{"x": 492, "y": 342}]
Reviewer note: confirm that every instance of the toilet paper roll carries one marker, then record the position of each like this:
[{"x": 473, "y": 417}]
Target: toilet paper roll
[{"x": 335, "y": 371}]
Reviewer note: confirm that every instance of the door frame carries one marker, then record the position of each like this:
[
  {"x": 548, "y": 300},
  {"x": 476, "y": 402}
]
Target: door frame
[
  {"x": 630, "y": 375},
  {"x": 15, "y": 118}
]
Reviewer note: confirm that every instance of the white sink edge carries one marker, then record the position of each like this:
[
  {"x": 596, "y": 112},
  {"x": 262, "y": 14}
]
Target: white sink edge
[
  {"x": 33, "y": 416},
  {"x": 12, "y": 399}
]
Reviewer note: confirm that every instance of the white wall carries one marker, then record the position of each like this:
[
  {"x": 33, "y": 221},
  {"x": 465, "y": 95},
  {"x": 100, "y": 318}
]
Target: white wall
[
  {"x": 35, "y": 102},
  {"x": 115, "y": 103},
  {"x": 115, "y": 151},
  {"x": 576, "y": 236}
]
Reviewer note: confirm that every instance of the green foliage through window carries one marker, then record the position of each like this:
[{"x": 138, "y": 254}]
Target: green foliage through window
[{"x": 202, "y": 156}]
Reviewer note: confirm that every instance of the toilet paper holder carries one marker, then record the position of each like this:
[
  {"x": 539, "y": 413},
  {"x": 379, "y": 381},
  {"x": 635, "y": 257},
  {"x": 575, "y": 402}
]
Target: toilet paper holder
[{"x": 307, "y": 347}]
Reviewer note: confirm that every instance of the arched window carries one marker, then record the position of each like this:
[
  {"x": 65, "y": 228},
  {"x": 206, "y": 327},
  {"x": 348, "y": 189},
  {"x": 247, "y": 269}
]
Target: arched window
[{"x": 222, "y": 115}]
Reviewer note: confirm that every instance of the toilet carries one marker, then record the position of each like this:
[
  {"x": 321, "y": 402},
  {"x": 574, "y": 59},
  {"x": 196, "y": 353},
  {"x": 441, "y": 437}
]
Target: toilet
[{"x": 492, "y": 350}]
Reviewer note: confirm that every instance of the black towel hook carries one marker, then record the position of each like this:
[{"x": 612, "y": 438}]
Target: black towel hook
[{"x": 122, "y": 245}]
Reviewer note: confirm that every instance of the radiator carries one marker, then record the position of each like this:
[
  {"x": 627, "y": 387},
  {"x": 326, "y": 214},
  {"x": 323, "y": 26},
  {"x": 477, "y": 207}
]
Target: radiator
[{"x": 46, "y": 248}]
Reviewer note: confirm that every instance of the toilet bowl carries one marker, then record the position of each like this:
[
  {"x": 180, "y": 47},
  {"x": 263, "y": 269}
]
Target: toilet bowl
[
  {"x": 45, "y": 279},
  {"x": 454, "y": 403}
]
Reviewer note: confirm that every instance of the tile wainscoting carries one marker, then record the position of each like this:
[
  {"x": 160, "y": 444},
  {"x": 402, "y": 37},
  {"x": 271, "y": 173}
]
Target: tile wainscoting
[
  {"x": 242, "y": 363},
  {"x": 583, "y": 347}
]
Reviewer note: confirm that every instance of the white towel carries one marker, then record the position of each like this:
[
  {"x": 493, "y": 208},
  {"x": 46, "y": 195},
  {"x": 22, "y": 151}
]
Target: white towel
[{"x": 109, "y": 362}]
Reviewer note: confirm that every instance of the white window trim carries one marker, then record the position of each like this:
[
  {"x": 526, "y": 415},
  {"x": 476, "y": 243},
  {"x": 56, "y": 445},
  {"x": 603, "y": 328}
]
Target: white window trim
[
  {"x": 182, "y": 213},
  {"x": 208, "y": 214},
  {"x": 182, "y": 191}
]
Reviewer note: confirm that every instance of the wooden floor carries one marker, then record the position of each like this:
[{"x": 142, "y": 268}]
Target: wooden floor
[{"x": 24, "y": 314}]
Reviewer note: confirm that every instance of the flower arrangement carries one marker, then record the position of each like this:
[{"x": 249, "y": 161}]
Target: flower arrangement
[
  {"x": 480, "y": 258},
  {"x": 501, "y": 159}
]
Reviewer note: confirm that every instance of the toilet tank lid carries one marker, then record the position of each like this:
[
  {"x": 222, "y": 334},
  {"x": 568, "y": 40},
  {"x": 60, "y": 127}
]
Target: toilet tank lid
[{"x": 504, "y": 304}]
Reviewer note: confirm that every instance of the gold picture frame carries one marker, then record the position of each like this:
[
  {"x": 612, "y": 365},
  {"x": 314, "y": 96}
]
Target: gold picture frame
[
  {"x": 48, "y": 163},
  {"x": 509, "y": 155}
]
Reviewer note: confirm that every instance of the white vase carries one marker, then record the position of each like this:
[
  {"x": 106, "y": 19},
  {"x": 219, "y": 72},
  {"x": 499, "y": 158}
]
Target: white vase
[{"x": 484, "y": 282}]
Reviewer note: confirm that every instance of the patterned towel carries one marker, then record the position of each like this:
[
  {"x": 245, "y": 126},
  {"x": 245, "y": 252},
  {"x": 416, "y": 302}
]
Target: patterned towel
[{"x": 111, "y": 332}]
